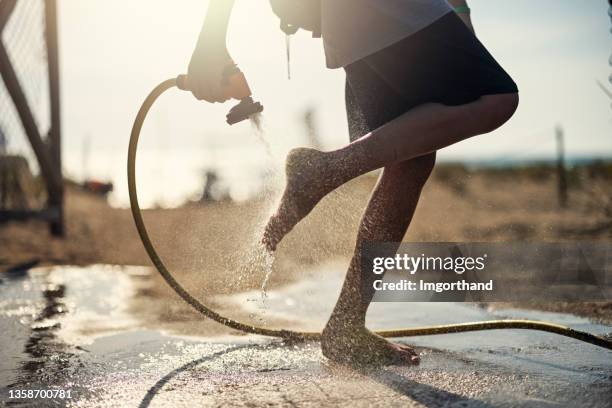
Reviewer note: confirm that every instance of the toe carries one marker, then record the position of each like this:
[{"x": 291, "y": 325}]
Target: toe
[
  {"x": 410, "y": 354},
  {"x": 269, "y": 239}
]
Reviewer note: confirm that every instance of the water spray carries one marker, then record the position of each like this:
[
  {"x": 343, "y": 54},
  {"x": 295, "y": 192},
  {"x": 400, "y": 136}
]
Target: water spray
[{"x": 245, "y": 109}]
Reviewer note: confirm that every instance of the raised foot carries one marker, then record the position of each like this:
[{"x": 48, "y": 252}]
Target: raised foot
[
  {"x": 307, "y": 183},
  {"x": 357, "y": 346}
]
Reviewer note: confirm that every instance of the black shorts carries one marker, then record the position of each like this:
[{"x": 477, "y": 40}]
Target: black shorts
[{"x": 443, "y": 63}]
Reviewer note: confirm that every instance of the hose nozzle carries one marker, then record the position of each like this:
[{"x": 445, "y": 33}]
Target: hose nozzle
[
  {"x": 235, "y": 86},
  {"x": 244, "y": 110}
]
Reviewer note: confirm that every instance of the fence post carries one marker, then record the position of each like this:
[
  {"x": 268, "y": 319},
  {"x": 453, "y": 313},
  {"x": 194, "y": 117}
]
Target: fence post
[
  {"x": 561, "y": 171},
  {"x": 56, "y": 201}
]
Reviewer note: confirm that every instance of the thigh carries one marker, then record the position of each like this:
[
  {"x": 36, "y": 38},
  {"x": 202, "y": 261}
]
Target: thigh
[
  {"x": 357, "y": 126},
  {"x": 443, "y": 63},
  {"x": 370, "y": 101}
]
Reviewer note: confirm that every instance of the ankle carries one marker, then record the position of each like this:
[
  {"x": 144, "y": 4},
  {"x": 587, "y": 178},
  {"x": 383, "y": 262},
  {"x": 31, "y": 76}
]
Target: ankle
[
  {"x": 351, "y": 162},
  {"x": 344, "y": 323},
  {"x": 304, "y": 156}
]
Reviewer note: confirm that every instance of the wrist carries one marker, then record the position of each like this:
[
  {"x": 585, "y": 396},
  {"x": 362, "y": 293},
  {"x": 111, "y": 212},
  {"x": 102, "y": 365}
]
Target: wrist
[
  {"x": 209, "y": 51},
  {"x": 211, "y": 40}
]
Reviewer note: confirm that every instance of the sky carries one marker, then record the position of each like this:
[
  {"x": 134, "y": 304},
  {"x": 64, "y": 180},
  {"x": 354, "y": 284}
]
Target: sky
[{"x": 114, "y": 51}]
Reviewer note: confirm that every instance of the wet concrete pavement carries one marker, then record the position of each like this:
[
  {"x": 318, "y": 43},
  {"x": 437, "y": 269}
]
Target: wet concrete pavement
[{"x": 69, "y": 328}]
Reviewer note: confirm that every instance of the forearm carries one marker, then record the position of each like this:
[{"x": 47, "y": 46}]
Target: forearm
[
  {"x": 216, "y": 22},
  {"x": 211, "y": 57}
]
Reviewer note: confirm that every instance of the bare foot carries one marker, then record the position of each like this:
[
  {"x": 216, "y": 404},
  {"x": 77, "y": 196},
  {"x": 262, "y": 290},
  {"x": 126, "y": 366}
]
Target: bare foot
[
  {"x": 358, "y": 346},
  {"x": 308, "y": 181}
]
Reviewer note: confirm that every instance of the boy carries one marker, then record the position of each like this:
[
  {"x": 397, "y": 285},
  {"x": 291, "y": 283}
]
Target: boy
[{"x": 418, "y": 80}]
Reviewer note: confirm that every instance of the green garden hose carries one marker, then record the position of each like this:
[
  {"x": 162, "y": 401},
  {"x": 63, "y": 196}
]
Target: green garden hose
[{"x": 296, "y": 335}]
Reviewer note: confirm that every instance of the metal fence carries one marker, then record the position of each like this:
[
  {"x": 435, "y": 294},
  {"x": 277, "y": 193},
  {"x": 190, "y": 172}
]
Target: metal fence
[{"x": 29, "y": 113}]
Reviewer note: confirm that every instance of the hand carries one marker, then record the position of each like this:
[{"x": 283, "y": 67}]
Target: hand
[{"x": 205, "y": 74}]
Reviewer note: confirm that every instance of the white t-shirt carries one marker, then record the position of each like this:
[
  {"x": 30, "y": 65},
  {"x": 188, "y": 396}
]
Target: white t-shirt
[{"x": 354, "y": 29}]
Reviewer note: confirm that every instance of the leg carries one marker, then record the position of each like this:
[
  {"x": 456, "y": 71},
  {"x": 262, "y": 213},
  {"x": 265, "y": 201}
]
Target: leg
[
  {"x": 386, "y": 219},
  {"x": 312, "y": 174}
]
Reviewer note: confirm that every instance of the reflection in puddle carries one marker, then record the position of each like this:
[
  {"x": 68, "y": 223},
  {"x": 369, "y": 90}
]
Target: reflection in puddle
[
  {"x": 48, "y": 315},
  {"x": 43, "y": 342},
  {"x": 69, "y": 328}
]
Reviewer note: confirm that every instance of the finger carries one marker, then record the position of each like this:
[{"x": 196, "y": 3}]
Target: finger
[
  {"x": 198, "y": 94},
  {"x": 218, "y": 96},
  {"x": 203, "y": 93},
  {"x": 210, "y": 94}
]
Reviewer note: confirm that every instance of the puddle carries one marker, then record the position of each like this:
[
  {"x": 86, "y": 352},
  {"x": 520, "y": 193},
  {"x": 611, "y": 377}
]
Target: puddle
[
  {"x": 48, "y": 315},
  {"x": 69, "y": 328},
  {"x": 311, "y": 301}
]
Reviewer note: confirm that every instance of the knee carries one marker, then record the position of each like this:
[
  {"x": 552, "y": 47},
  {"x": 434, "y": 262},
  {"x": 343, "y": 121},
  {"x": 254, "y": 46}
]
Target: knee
[
  {"x": 414, "y": 172},
  {"x": 499, "y": 109},
  {"x": 423, "y": 166}
]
